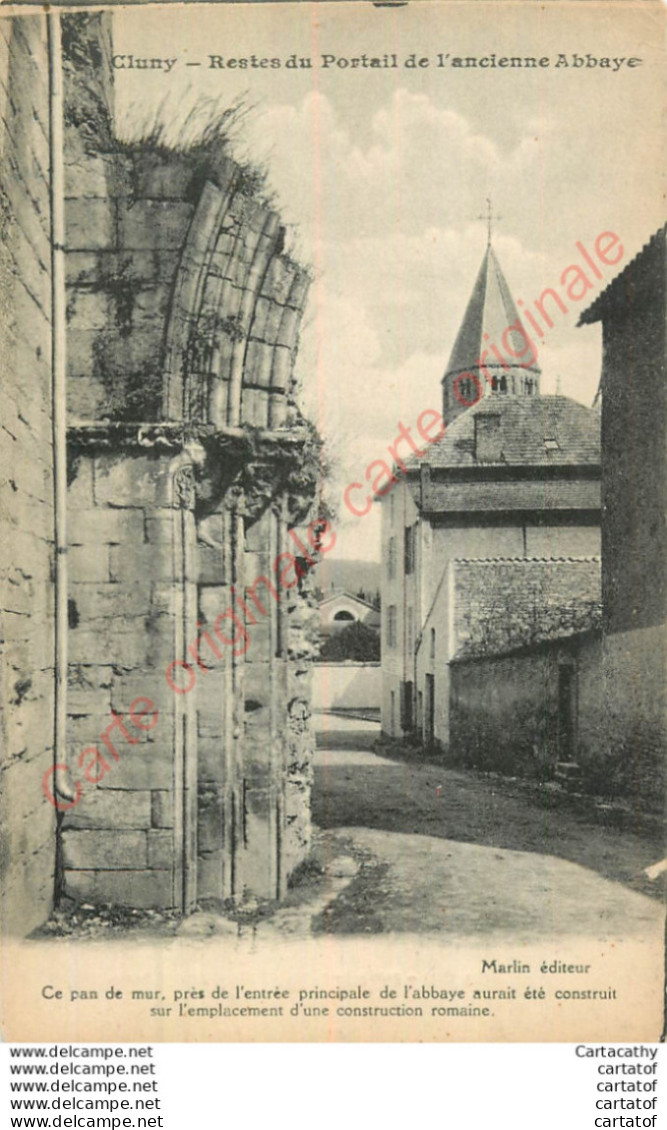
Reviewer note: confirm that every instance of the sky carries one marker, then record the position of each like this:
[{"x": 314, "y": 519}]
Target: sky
[{"x": 381, "y": 177}]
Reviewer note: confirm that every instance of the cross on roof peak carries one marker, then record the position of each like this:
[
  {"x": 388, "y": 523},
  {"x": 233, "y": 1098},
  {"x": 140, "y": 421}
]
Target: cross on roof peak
[{"x": 489, "y": 217}]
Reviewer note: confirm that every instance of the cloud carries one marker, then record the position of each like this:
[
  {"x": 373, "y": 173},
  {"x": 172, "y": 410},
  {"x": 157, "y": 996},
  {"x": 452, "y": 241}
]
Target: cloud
[
  {"x": 423, "y": 166},
  {"x": 389, "y": 218}
]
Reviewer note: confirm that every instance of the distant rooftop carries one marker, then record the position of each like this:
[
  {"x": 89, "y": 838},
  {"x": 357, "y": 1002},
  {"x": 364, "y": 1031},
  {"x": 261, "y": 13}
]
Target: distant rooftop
[
  {"x": 647, "y": 266},
  {"x": 518, "y": 431}
]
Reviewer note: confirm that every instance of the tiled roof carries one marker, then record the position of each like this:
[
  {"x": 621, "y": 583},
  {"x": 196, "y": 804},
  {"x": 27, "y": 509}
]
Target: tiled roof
[
  {"x": 525, "y": 561},
  {"x": 340, "y": 593},
  {"x": 534, "y": 431},
  {"x": 617, "y": 287},
  {"x": 506, "y": 603}
]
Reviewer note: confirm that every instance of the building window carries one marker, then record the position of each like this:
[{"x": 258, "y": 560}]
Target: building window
[
  {"x": 432, "y": 643},
  {"x": 409, "y": 631},
  {"x": 391, "y": 626},
  {"x": 392, "y": 712},
  {"x": 344, "y": 615},
  {"x": 391, "y": 559},
  {"x": 410, "y": 542},
  {"x": 392, "y": 507}
]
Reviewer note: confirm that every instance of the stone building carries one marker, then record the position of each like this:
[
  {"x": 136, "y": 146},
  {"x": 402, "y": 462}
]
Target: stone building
[
  {"x": 524, "y": 671},
  {"x": 534, "y": 667},
  {"x": 187, "y": 769},
  {"x": 341, "y": 608},
  {"x": 515, "y": 476},
  {"x": 632, "y": 310}
]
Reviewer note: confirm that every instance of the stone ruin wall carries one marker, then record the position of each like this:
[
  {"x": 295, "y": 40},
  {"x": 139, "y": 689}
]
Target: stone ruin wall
[{"x": 189, "y": 464}]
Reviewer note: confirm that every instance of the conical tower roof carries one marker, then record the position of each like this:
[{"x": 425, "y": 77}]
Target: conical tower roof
[{"x": 490, "y": 313}]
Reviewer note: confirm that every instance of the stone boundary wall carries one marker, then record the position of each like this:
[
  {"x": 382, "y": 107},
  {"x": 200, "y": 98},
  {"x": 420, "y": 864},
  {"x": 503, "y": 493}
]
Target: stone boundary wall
[
  {"x": 504, "y": 709},
  {"x": 347, "y": 686}
]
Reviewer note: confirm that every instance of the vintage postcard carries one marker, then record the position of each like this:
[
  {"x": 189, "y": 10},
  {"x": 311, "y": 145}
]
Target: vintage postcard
[{"x": 332, "y": 441}]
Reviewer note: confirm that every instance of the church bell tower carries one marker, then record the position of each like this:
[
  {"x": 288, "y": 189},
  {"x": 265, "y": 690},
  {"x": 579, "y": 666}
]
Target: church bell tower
[{"x": 493, "y": 353}]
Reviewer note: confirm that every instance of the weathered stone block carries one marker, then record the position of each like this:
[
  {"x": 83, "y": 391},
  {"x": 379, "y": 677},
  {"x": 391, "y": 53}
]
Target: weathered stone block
[
  {"x": 257, "y": 681},
  {"x": 86, "y": 267},
  {"x": 107, "y": 600},
  {"x": 160, "y": 849},
  {"x": 278, "y": 410},
  {"x": 211, "y": 570},
  {"x": 143, "y": 767},
  {"x": 261, "y": 633},
  {"x": 31, "y": 478},
  {"x": 278, "y": 281},
  {"x": 88, "y": 564},
  {"x": 81, "y": 359},
  {"x": 211, "y": 720},
  {"x": 162, "y": 809},
  {"x": 255, "y": 407},
  {"x": 214, "y": 600},
  {"x": 88, "y": 310},
  {"x": 89, "y": 675},
  {"x": 85, "y": 729},
  {"x": 92, "y": 177},
  {"x": 140, "y": 889},
  {"x": 258, "y": 364},
  {"x": 210, "y": 817},
  {"x": 263, "y": 315},
  {"x": 110, "y": 642},
  {"x": 151, "y": 224},
  {"x": 211, "y": 530},
  {"x": 116, "y": 850},
  {"x": 106, "y": 527},
  {"x": 89, "y": 700},
  {"x": 110, "y": 809},
  {"x": 211, "y": 757},
  {"x": 211, "y": 875},
  {"x": 86, "y": 398},
  {"x": 299, "y": 289},
  {"x": 80, "y": 489},
  {"x": 90, "y": 224},
  {"x": 144, "y": 683},
  {"x": 283, "y": 365},
  {"x": 151, "y": 307},
  {"x": 258, "y": 718},
  {"x": 259, "y": 860},
  {"x": 144, "y": 564},
  {"x": 29, "y": 733},
  {"x": 158, "y": 179},
  {"x": 289, "y": 327}
]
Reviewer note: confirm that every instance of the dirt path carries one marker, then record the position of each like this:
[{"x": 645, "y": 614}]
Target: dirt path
[{"x": 450, "y": 850}]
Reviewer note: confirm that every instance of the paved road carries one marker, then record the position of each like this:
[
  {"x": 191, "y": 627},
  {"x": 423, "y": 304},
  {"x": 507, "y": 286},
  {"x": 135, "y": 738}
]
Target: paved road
[{"x": 449, "y": 851}]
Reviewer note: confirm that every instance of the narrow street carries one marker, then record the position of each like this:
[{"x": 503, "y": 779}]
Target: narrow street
[{"x": 450, "y": 851}]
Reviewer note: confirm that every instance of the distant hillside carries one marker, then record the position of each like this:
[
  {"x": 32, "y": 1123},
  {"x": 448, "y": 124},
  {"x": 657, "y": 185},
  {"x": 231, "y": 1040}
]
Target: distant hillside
[{"x": 353, "y": 576}]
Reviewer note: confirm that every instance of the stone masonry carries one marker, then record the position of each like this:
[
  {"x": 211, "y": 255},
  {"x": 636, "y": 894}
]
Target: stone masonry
[
  {"x": 500, "y": 603},
  {"x": 192, "y": 520},
  {"x": 26, "y": 481},
  {"x": 189, "y": 465}
]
